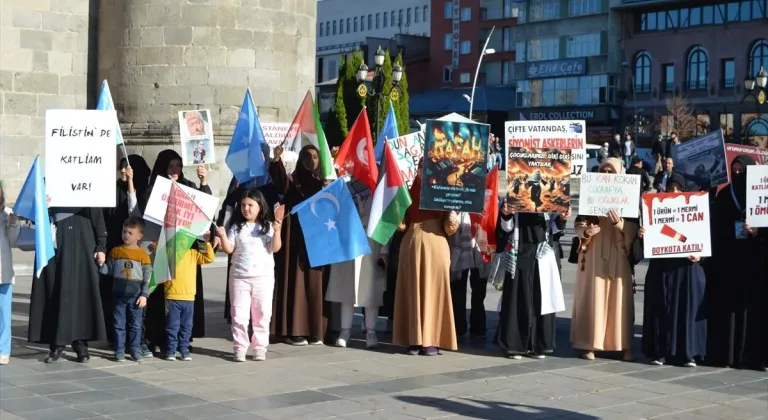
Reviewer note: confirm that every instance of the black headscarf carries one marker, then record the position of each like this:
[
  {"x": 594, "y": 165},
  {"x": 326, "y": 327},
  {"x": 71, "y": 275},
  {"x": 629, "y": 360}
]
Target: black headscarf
[
  {"x": 162, "y": 162},
  {"x": 739, "y": 181},
  {"x": 308, "y": 180}
]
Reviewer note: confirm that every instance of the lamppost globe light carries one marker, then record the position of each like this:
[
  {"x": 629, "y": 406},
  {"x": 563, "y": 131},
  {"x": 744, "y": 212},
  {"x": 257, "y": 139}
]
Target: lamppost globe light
[
  {"x": 762, "y": 78},
  {"x": 397, "y": 74},
  {"x": 490, "y": 51},
  {"x": 378, "y": 59},
  {"x": 362, "y": 73},
  {"x": 467, "y": 97},
  {"x": 749, "y": 84}
]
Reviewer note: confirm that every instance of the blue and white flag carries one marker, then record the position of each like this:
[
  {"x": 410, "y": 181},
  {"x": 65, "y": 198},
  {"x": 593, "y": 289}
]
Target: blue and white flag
[
  {"x": 32, "y": 205},
  {"x": 389, "y": 131},
  {"x": 333, "y": 232},
  {"x": 107, "y": 104},
  {"x": 245, "y": 157}
]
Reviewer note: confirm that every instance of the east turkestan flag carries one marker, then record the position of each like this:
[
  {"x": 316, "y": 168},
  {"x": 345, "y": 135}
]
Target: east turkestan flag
[
  {"x": 305, "y": 130},
  {"x": 390, "y": 201}
]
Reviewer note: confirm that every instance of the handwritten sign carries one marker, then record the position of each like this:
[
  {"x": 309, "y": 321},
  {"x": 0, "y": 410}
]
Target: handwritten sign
[
  {"x": 561, "y": 134},
  {"x": 80, "y": 158},
  {"x": 676, "y": 225},
  {"x": 601, "y": 193},
  {"x": 158, "y": 203},
  {"x": 408, "y": 152},
  {"x": 757, "y": 196},
  {"x": 537, "y": 179}
]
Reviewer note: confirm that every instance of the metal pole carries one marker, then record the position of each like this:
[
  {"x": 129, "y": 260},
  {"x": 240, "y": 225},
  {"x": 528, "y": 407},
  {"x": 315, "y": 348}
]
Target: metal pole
[
  {"x": 634, "y": 95},
  {"x": 477, "y": 72}
]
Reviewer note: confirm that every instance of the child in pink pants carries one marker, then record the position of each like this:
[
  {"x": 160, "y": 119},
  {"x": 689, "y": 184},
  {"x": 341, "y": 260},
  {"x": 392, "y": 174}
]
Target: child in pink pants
[{"x": 253, "y": 238}]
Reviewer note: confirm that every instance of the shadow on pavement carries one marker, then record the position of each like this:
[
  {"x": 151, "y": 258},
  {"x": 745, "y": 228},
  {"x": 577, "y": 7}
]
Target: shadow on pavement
[{"x": 492, "y": 410}]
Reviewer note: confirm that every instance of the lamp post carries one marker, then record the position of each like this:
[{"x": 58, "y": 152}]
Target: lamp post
[
  {"x": 634, "y": 95},
  {"x": 377, "y": 89},
  {"x": 485, "y": 51},
  {"x": 756, "y": 88}
]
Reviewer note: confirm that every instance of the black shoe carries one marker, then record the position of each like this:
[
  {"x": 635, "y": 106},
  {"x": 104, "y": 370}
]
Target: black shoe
[
  {"x": 54, "y": 355},
  {"x": 83, "y": 356}
]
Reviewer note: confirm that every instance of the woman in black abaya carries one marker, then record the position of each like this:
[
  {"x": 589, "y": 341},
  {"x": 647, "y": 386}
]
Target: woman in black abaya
[
  {"x": 674, "y": 316},
  {"x": 168, "y": 165},
  {"x": 738, "y": 276}
]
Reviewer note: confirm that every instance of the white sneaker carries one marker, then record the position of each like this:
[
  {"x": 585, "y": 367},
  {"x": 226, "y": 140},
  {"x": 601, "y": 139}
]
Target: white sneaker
[
  {"x": 690, "y": 364},
  {"x": 536, "y": 356},
  {"x": 4, "y": 359},
  {"x": 259, "y": 355},
  {"x": 239, "y": 355},
  {"x": 343, "y": 338},
  {"x": 515, "y": 356},
  {"x": 657, "y": 362},
  {"x": 371, "y": 340}
]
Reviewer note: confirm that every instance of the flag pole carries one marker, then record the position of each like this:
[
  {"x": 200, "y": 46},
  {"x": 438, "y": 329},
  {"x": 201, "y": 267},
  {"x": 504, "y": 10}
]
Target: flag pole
[{"x": 191, "y": 199}]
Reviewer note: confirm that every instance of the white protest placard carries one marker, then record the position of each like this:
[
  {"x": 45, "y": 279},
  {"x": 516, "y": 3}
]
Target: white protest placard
[
  {"x": 557, "y": 134},
  {"x": 80, "y": 158},
  {"x": 757, "y": 196},
  {"x": 275, "y": 132},
  {"x": 408, "y": 152},
  {"x": 158, "y": 201},
  {"x": 601, "y": 193},
  {"x": 676, "y": 225}
]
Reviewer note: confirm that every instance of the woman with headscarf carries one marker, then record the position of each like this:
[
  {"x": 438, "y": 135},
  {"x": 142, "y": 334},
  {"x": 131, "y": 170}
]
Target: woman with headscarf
[
  {"x": 424, "y": 311},
  {"x": 738, "y": 276},
  {"x": 674, "y": 318},
  {"x": 169, "y": 165},
  {"x": 603, "y": 304},
  {"x": 299, "y": 314},
  {"x": 133, "y": 181},
  {"x": 526, "y": 242}
]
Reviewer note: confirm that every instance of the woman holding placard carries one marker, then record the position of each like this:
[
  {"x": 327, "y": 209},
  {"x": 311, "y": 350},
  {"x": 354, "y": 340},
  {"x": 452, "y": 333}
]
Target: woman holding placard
[
  {"x": 674, "y": 321},
  {"x": 168, "y": 165},
  {"x": 735, "y": 328},
  {"x": 603, "y": 305}
]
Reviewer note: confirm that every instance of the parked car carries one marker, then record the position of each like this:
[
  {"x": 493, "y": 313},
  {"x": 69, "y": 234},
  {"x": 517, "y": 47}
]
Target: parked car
[{"x": 593, "y": 155}]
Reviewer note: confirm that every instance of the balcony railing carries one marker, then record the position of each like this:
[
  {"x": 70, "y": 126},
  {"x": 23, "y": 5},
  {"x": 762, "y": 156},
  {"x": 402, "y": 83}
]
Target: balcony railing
[
  {"x": 639, "y": 88},
  {"x": 668, "y": 87},
  {"x": 728, "y": 83},
  {"x": 695, "y": 85}
]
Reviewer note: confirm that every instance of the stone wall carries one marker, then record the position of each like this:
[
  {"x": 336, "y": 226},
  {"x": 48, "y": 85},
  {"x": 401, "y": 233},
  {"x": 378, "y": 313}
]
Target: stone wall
[{"x": 43, "y": 65}]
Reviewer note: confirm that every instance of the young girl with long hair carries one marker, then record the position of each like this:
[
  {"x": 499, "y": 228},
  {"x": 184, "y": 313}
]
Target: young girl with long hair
[{"x": 252, "y": 239}]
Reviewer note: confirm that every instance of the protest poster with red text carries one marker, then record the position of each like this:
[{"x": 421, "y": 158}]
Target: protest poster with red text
[
  {"x": 732, "y": 151},
  {"x": 158, "y": 203},
  {"x": 757, "y": 196},
  {"x": 601, "y": 193},
  {"x": 676, "y": 225}
]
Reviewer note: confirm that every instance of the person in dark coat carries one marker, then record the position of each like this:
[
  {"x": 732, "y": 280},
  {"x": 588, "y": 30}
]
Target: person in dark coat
[
  {"x": 65, "y": 306},
  {"x": 522, "y": 329},
  {"x": 738, "y": 275},
  {"x": 168, "y": 165},
  {"x": 636, "y": 168},
  {"x": 391, "y": 261},
  {"x": 136, "y": 179},
  {"x": 674, "y": 314}
]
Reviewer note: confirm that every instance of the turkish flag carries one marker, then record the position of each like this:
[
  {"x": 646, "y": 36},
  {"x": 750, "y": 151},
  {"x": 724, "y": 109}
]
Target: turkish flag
[
  {"x": 356, "y": 156},
  {"x": 484, "y": 226}
]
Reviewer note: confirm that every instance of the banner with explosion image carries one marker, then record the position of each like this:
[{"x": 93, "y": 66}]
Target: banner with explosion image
[
  {"x": 454, "y": 169},
  {"x": 537, "y": 180},
  {"x": 676, "y": 225}
]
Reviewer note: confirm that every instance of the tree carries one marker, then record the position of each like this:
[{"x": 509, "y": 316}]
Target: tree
[
  {"x": 386, "y": 75},
  {"x": 680, "y": 118},
  {"x": 402, "y": 110},
  {"x": 336, "y": 127}
]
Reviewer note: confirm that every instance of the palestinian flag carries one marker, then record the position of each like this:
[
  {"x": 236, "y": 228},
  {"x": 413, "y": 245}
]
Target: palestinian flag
[
  {"x": 305, "y": 130},
  {"x": 390, "y": 200},
  {"x": 184, "y": 222}
]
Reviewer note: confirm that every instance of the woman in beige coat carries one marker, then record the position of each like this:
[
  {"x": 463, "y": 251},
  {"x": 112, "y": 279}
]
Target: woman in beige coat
[{"x": 603, "y": 305}]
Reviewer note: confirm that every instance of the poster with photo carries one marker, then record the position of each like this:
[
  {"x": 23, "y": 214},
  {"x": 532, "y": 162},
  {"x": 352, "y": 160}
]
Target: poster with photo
[
  {"x": 454, "y": 169},
  {"x": 551, "y": 134},
  {"x": 676, "y": 225},
  {"x": 196, "y": 132},
  {"x": 537, "y": 180},
  {"x": 701, "y": 161}
]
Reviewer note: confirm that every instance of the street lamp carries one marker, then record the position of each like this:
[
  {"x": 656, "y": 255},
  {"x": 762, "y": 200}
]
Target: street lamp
[
  {"x": 485, "y": 51},
  {"x": 377, "y": 89},
  {"x": 634, "y": 94},
  {"x": 756, "y": 89}
]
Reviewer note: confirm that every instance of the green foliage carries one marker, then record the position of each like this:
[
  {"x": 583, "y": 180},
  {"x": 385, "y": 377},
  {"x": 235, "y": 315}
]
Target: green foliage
[
  {"x": 383, "y": 106},
  {"x": 402, "y": 110},
  {"x": 336, "y": 127},
  {"x": 352, "y": 101}
]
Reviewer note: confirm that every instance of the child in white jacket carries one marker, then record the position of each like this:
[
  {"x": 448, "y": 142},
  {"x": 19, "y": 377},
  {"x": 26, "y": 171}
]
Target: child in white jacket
[{"x": 9, "y": 234}]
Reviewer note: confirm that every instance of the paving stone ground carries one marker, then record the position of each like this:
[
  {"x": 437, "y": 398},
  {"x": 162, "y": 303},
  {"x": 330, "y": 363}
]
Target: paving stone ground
[{"x": 308, "y": 383}]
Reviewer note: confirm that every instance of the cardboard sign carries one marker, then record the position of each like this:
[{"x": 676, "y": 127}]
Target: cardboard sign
[
  {"x": 196, "y": 132},
  {"x": 601, "y": 193},
  {"x": 274, "y": 132},
  {"x": 676, "y": 225},
  {"x": 158, "y": 201},
  {"x": 757, "y": 196},
  {"x": 408, "y": 153},
  {"x": 80, "y": 158},
  {"x": 556, "y": 134},
  {"x": 537, "y": 180},
  {"x": 701, "y": 161}
]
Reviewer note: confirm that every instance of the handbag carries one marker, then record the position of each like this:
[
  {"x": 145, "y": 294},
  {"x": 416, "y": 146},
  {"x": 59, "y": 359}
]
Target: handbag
[
  {"x": 26, "y": 240},
  {"x": 573, "y": 256}
]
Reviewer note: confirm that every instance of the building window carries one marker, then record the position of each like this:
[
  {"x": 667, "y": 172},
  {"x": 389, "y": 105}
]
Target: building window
[
  {"x": 447, "y": 74},
  {"x": 341, "y": 26},
  {"x": 426, "y": 14},
  {"x": 755, "y": 129},
  {"x": 543, "y": 49},
  {"x": 543, "y": 10},
  {"x": 466, "y": 14},
  {"x": 378, "y": 20},
  {"x": 584, "y": 7},
  {"x": 370, "y": 22},
  {"x": 349, "y": 26},
  {"x": 362, "y": 23},
  {"x": 642, "y": 72},
  {"x": 726, "y": 124},
  {"x": 416, "y": 14},
  {"x": 354, "y": 25},
  {"x": 464, "y": 78},
  {"x": 448, "y": 42},
  {"x": 567, "y": 91},
  {"x": 697, "y": 71},
  {"x": 506, "y": 39},
  {"x": 758, "y": 56},
  {"x": 400, "y": 18},
  {"x": 717, "y": 14},
  {"x": 392, "y": 19},
  {"x": 448, "y": 10},
  {"x": 334, "y": 27},
  {"x": 408, "y": 17},
  {"x": 507, "y": 71},
  {"x": 523, "y": 94},
  {"x": 465, "y": 47},
  {"x": 583, "y": 45},
  {"x": 668, "y": 73},
  {"x": 386, "y": 21},
  {"x": 320, "y": 32},
  {"x": 509, "y": 10},
  {"x": 729, "y": 72}
]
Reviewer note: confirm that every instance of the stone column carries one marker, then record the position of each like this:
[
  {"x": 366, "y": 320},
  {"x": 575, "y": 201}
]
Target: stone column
[{"x": 161, "y": 57}]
